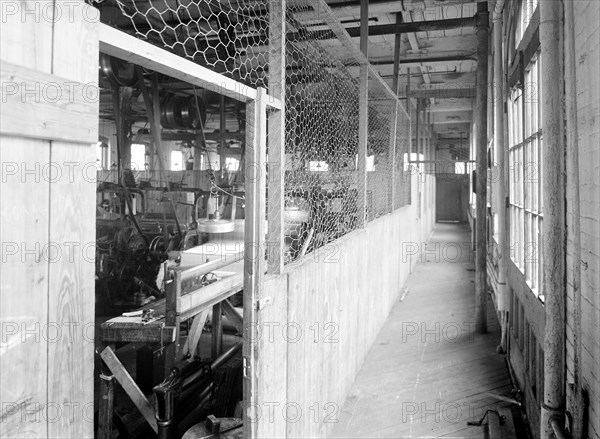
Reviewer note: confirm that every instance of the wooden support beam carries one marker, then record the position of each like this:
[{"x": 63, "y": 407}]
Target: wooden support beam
[
  {"x": 417, "y": 60},
  {"x": 236, "y": 320},
  {"x": 217, "y": 331},
  {"x": 576, "y": 395},
  {"x": 58, "y": 102},
  {"x": 129, "y": 386},
  {"x": 444, "y": 93},
  {"x": 222, "y": 128},
  {"x": 191, "y": 342},
  {"x": 172, "y": 318},
  {"x": 394, "y": 116},
  {"x": 107, "y": 401},
  {"x": 396, "y": 70},
  {"x": 363, "y": 119},
  {"x": 500, "y": 150},
  {"x": 391, "y": 29},
  {"x": 276, "y": 139},
  {"x": 142, "y": 53},
  {"x": 254, "y": 260},
  {"x": 481, "y": 106},
  {"x": 553, "y": 235}
]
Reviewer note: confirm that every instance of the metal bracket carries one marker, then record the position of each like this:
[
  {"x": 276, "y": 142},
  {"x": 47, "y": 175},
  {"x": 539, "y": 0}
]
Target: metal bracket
[
  {"x": 264, "y": 302},
  {"x": 245, "y": 367}
]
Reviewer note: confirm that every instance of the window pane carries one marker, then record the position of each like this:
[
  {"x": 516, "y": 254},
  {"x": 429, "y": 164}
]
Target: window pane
[{"x": 176, "y": 161}]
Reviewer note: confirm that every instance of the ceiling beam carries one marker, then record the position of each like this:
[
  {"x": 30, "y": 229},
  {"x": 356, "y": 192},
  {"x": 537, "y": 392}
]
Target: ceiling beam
[
  {"x": 415, "y": 60},
  {"x": 349, "y": 9},
  {"x": 449, "y": 122},
  {"x": 406, "y": 27},
  {"x": 443, "y": 93},
  {"x": 415, "y": 26}
]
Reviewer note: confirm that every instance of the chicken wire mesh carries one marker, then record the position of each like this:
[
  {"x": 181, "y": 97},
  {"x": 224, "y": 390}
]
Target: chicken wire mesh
[
  {"x": 380, "y": 138},
  {"x": 321, "y": 139},
  {"x": 402, "y": 168},
  {"x": 322, "y": 195},
  {"x": 230, "y": 37}
]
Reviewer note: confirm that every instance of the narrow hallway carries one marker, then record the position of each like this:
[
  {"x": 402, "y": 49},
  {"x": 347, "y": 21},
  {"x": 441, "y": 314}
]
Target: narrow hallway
[{"x": 428, "y": 373}]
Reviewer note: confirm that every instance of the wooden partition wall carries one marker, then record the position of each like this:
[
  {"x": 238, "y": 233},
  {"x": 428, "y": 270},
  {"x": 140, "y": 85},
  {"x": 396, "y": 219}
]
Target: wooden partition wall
[
  {"x": 323, "y": 315},
  {"x": 48, "y": 128}
]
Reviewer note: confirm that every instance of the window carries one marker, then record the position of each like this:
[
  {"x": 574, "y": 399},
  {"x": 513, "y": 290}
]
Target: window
[
  {"x": 102, "y": 152},
  {"x": 232, "y": 164},
  {"x": 318, "y": 166},
  {"x": 138, "y": 156},
  {"x": 525, "y": 172},
  {"x": 176, "y": 160},
  {"x": 526, "y": 12}
]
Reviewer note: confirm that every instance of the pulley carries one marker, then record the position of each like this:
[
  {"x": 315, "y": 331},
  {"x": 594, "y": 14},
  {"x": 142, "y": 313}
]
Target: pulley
[
  {"x": 182, "y": 112},
  {"x": 216, "y": 224},
  {"x": 117, "y": 71}
]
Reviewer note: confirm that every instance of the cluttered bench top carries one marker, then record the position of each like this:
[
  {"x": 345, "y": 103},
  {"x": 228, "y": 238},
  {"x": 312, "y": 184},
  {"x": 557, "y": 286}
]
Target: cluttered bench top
[{"x": 207, "y": 274}]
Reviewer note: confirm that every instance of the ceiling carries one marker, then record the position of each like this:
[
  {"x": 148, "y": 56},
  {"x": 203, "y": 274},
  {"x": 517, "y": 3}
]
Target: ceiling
[{"x": 441, "y": 63}]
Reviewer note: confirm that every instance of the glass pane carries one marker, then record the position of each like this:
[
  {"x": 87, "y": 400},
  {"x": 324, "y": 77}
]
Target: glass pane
[
  {"x": 527, "y": 245},
  {"x": 536, "y": 180},
  {"x": 541, "y": 174},
  {"x": 535, "y": 259}
]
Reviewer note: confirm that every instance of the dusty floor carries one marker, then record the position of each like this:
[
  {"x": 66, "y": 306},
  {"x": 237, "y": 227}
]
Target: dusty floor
[{"x": 428, "y": 373}]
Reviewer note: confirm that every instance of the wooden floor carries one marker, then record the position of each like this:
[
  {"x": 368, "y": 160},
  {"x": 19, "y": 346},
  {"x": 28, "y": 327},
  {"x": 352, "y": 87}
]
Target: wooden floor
[{"x": 428, "y": 373}]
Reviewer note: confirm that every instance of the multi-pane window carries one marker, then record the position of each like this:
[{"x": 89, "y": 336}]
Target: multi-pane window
[
  {"x": 525, "y": 171},
  {"x": 526, "y": 13}
]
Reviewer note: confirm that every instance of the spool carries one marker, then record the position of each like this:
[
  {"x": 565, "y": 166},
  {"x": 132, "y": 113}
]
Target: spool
[
  {"x": 215, "y": 226},
  {"x": 181, "y": 112}
]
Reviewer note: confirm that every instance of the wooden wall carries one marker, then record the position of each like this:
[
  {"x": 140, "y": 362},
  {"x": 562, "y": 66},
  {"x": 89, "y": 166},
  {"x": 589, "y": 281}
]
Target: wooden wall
[
  {"x": 49, "y": 59},
  {"x": 324, "y": 315}
]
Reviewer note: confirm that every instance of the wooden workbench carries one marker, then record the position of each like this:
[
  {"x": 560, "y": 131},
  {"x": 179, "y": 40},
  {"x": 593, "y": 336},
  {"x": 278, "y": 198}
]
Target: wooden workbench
[{"x": 185, "y": 298}]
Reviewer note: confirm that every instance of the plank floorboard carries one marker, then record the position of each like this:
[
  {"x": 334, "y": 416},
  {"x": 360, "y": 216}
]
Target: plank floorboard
[{"x": 428, "y": 373}]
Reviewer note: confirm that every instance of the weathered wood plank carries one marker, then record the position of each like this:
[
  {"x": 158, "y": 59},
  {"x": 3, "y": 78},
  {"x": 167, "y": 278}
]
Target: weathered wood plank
[
  {"x": 24, "y": 235},
  {"x": 276, "y": 137},
  {"x": 155, "y": 332},
  {"x": 72, "y": 220},
  {"x": 42, "y": 106},
  {"x": 24, "y": 287},
  {"x": 254, "y": 261},
  {"x": 129, "y": 386},
  {"x": 129, "y": 48}
]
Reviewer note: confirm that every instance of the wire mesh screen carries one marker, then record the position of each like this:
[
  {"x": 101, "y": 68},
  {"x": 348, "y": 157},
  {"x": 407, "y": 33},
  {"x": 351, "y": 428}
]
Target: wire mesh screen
[
  {"x": 322, "y": 196},
  {"x": 230, "y": 37},
  {"x": 381, "y": 114},
  {"x": 321, "y": 139},
  {"x": 402, "y": 169}
]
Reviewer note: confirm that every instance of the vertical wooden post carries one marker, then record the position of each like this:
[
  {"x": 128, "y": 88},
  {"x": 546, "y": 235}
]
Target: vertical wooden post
[
  {"x": 363, "y": 118},
  {"x": 429, "y": 154},
  {"x": 418, "y": 128},
  {"x": 217, "y": 331},
  {"x": 107, "y": 400},
  {"x": 172, "y": 313},
  {"x": 222, "y": 130},
  {"x": 156, "y": 128},
  {"x": 500, "y": 186},
  {"x": 276, "y": 139},
  {"x": 396, "y": 71},
  {"x": 481, "y": 105},
  {"x": 394, "y": 117},
  {"x": 254, "y": 255},
  {"x": 577, "y": 403},
  {"x": 200, "y": 145},
  {"x": 553, "y": 236}
]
